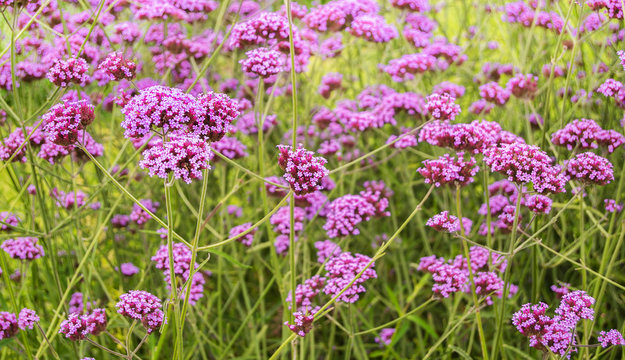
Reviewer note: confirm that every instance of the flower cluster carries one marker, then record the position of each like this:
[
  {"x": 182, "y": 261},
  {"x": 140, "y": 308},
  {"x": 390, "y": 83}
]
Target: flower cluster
[
  {"x": 302, "y": 170},
  {"x": 262, "y": 62},
  {"x": 246, "y": 239},
  {"x": 23, "y": 248},
  {"x": 341, "y": 270},
  {"x": 372, "y": 28},
  {"x": 524, "y": 164},
  {"x": 590, "y": 169},
  {"x": 448, "y": 223},
  {"x": 77, "y": 327},
  {"x": 142, "y": 306},
  {"x": 63, "y": 121},
  {"x": 345, "y": 213},
  {"x": 181, "y": 268},
  {"x": 448, "y": 169},
  {"x": 65, "y": 72},
  {"x": 182, "y": 156},
  {"x": 116, "y": 67}
]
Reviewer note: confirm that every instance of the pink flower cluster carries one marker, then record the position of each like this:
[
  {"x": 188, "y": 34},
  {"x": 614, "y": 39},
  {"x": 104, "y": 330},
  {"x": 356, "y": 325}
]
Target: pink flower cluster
[
  {"x": 142, "y": 306},
  {"x": 341, "y": 270},
  {"x": 372, "y": 28},
  {"x": 262, "y": 62},
  {"x": 116, "y": 67},
  {"x": 302, "y": 170},
  {"x": 245, "y": 239},
  {"x": 448, "y": 223},
  {"x": 524, "y": 164},
  {"x": 65, "y": 72},
  {"x": 77, "y": 327},
  {"x": 306, "y": 292},
  {"x": 442, "y": 106},
  {"x": 182, "y": 156},
  {"x": 587, "y": 134},
  {"x": 64, "y": 120},
  {"x": 182, "y": 270},
  {"x": 266, "y": 28},
  {"x": 405, "y": 67},
  {"x": 345, "y": 213},
  {"x": 448, "y": 169},
  {"x": 23, "y": 248},
  {"x": 590, "y": 169}
]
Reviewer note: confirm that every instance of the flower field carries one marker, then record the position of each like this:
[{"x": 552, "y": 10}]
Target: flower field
[{"x": 344, "y": 179}]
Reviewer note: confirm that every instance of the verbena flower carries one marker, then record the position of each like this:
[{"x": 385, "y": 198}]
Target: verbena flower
[
  {"x": 302, "y": 170},
  {"x": 143, "y": 306},
  {"x": 590, "y": 169},
  {"x": 246, "y": 239},
  {"x": 262, "y": 62},
  {"x": 64, "y": 120},
  {"x": 65, "y": 72},
  {"x": 341, "y": 270},
  {"x": 442, "y": 107},
  {"x": 23, "y": 248},
  {"x": 449, "y": 170},
  {"x": 116, "y": 67},
  {"x": 385, "y": 336},
  {"x": 182, "y": 156},
  {"x": 372, "y": 28},
  {"x": 345, "y": 213},
  {"x": 27, "y": 319},
  {"x": 611, "y": 338}
]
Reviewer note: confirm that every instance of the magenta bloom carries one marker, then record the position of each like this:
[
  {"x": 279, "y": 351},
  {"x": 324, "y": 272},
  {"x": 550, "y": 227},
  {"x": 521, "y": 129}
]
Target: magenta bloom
[
  {"x": 523, "y": 86},
  {"x": 538, "y": 204},
  {"x": 219, "y": 113},
  {"x": 161, "y": 108},
  {"x": 182, "y": 269},
  {"x": 621, "y": 56},
  {"x": 140, "y": 216},
  {"x": 116, "y": 67},
  {"x": 23, "y": 248},
  {"x": 611, "y": 338},
  {"x": 523, "y": 164},
  {"x": 494, "y": 93},
  {"x": 9, "y": 220},
  {"x": 326, "y": 249},
  {"x": 95, "y": 322},
  {"x": 341, "y": 270},
  {"x": 442, "y": 106},
  {"x": 182, "y": 156},
  {"x": 143, "y": 306},
  {"x": 329, "y": 83},
  {"x": 27, "y": 319},
  {"x": 580, "y": 134},
  {"x": 590, "y": 169},
  {"x": 74, "y": 327},
  {"x": 246, "y": 239},
  {"x": 302, "y": 170},
  {"x": 63, "y": 121},
  {"x": 262, "y": 62},
  {"x": 8, "y": 325},
  {"x": 260, "y": 30},
  {"x": 412, "y": 5},
  {"x": 576, "y": 305},
  {"x": 444, "y": 222},
  {"x": 345, "y": 213},
  {"x": 65, "y": 72},
  {"x": 303, "y": 322},
  {"x": 230, "y": 147},
  {"x": 407, "y": 66},
  {"x": 306, "y": 292},
  {"x": 128, "y": 269},
  {"x": 449, "y": 170},
  {"x": 373, "y": 28},
  {"x": 447, "y": 278}
]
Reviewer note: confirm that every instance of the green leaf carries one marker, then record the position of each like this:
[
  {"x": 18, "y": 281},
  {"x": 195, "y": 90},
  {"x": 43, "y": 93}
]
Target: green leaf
[{"x": 229, "y": 258}]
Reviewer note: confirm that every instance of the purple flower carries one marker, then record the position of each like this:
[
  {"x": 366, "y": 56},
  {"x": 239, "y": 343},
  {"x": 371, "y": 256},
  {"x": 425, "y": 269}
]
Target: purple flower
[
  {"x": 523, "y": 86},
  {"x": 561, "y": 290},
  {"x": 341, "y": 270},
  {"x": 128, "y": 269},
  {"x": 385, "y": 336},
  {"x": 612, "y": 206},
  {"x": 412, "y": 5},
  {"x": 260, "y": 30},
  {"x": 159, "y": 108},
  {"x": 143, "y": 306},
  {"x": 449, "y": 170},
  {"x": 246, "y": 239},
  {"x": 326, "y": 249},
  {"x": 23, "y": 248},
  {"x": 538, "y": 204},
  {"x": 63, "y": 121},
  {"x": 219, "y": 111},
  {"x": 95, "y": 322},
  {"x": 302, "y": 170},
  {"x": 65, "y": 72},
  {"x": 442, "y": 106},
  {"x": 345, "y": 213},
  {"x": 262, "y": 62},
  {"x": 9, "y": 220},
  {"x": 611, "y": 338},
  {"x": 407, "y": 66},
  {"x": 372, "y": 28},
  {"x": 182, "y": 156},
  {"x": 27, "y": 319},
  {"x": 523, "y": 164},
  {"x": 306, "y": 292},
  {"x": 182, "y": 269},
  {"x": 116, "y": 67},
  {"x": 302, "y": 322},
  {"x": 140, "y": 216},
  {"x": 230, "y": 147},
  {"x": 579, "y": 134},
  {"x": 74, "y": 327},
  {"x": 576, "y": 305},
  {"x": 329, "y": 83},
  {"x": 446, "y": 222},
  {"x": 494, "y": 93},
  {"x": 590, "y": 169}
]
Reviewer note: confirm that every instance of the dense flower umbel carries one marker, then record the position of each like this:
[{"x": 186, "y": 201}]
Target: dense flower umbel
[
  {"x": 345, "y": 213},
  {"x": 116, "y": 67},
  {"x": 302, "y": 170},
  {"x": 267, "y": 27},
  {"x": 63, "y": 121},
  {"x": 407, "y": 66},
  {"x": 183, "y": 156},
  {"x": 442, "y": 106},
  {"x": 539, "y": 204},
  {"x": 9, "y": 219},
  {"x": 219, "y": 113},
  {"x": 523, "y": 86},
  {"x": 9, "y": 146},
  {"x": 303, "y": 322},
  {"x": 159, "y": 108},
  {"x": 182, "y": 269},
  {"x": 444, "y": 222},
  {"x": 77, "y": 327},
  {"x": 27, "y": 319},
  {"x": 246, "y": 239},
  {"x": 262, "y": 62},
  {"x": 580, "y": 134},
  {"x": 341, "y": 270},
  {"x": 143, "y": 306},
  {"x": 326, "y": 249},
  {"x": 8, "y": 325},
  {"x": 449, "y": 170},
  {"x": 576, "y": 305},
  {"x": 610, "y": 338},
  {"x": 65, "y": 72},
  {"x": 373, "y": 28},
  {"x": 590, "y": 169},
  {"x": 524, "y": 164},
  {"x": 385, "y": 336},
  {"x": 494, "y": 93},
  {"x": 23, "y": 248},
  {"x": 140, "y": 216},
  {"x": 306, "y": 292}
]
